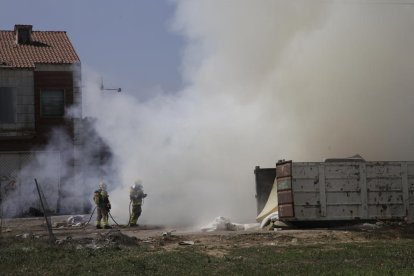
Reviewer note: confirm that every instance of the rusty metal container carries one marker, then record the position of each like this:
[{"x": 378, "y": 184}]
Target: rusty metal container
[{"x": 322, "y": 191}]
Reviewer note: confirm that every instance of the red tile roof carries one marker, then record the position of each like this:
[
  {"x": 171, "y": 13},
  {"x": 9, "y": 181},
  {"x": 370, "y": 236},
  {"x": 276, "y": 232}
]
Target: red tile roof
[{"x": 48, "y": 47}]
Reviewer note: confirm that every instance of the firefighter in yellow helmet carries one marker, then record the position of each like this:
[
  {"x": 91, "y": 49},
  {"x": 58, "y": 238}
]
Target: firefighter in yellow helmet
[
  {"x": 136, "y": 195},
  {"x": 103, "y": 206}
]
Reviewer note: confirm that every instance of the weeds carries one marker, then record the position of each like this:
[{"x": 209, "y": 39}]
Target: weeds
[{"x": 31, "y": 257}]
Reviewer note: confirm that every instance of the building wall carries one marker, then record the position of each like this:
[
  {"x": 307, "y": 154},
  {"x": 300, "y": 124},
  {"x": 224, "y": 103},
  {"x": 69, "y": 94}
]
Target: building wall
[
  {"x": 29, "y": 128},
  {"x": 32, "y": 130},
  {"x": 44, "y": 80},
  {"x": 21, "y": 81}
]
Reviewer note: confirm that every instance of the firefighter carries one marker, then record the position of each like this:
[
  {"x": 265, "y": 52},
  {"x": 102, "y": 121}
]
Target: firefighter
[
  {"x": 103, "y": 206},
  {"x": 136, "y": 195}
]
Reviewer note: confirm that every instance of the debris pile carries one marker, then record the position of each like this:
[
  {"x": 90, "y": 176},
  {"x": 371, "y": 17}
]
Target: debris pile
[
  {"x": 72, "y": 221},
  {"x": 115, "y": 236},
  {"x": 225, "y": 224}
]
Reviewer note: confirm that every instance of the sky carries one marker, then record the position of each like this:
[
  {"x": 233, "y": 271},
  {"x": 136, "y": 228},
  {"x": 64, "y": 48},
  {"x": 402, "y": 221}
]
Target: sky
[
  {"x": 213, "y": 88},
  {"x": 129, "y": 43}
]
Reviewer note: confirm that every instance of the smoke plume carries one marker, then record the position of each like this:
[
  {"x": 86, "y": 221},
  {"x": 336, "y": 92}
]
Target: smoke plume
[{"x": 265, "y": 80}]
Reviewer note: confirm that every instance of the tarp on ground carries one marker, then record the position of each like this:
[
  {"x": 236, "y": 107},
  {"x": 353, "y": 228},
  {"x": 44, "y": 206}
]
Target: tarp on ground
[
  {"x": 224, "y": 224},
  {"x": 271, "y": 204}
]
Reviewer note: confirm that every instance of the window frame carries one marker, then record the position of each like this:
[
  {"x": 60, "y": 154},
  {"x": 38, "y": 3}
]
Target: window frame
[{"x": 42, "y": 115}]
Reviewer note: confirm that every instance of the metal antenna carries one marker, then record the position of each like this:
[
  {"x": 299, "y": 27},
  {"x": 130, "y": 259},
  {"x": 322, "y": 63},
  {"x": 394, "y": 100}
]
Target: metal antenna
[{"x": 109, "y": 89}]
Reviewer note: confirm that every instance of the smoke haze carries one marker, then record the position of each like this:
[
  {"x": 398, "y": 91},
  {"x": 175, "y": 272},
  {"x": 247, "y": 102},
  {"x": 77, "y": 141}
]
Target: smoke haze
[{"x": 265, "y": 80}]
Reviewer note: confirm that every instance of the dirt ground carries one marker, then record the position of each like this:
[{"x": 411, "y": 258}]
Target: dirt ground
[{"x": 213, "y": 243}]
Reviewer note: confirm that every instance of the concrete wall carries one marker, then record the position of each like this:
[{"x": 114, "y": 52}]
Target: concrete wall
[{"x": 22, "y": 83}]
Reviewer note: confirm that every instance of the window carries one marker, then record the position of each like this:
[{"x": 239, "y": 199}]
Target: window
[
  {"x": 7, "y": 105},
  {"x": 52, "y": 103}
]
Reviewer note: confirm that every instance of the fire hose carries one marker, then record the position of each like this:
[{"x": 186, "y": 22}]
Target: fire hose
[
  {"x": 114, "y": 219},
  {"x": 93, "y": 211},
  {"x": 129, "y": 220}
]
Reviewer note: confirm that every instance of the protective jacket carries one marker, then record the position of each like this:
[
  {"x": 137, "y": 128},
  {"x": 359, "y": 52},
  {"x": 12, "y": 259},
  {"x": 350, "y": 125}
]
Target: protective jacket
[
  {"x": 101, "y": 199},
  {"x": 136, "y": 196}
]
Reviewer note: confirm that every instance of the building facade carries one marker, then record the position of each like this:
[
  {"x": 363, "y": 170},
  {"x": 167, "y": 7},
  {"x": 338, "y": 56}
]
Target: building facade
[{"x": 40, "y": 95}]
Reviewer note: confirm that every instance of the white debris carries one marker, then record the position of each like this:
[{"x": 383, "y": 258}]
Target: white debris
[
  {"x": 77, "y": 220},
  {"x": 186, "y": 243},
  {"x": 224, "y": 224},
  {"x": 369, "y": 226},
  {"x": 251, "y": 226},
  {"x": 269, "y": 218}
]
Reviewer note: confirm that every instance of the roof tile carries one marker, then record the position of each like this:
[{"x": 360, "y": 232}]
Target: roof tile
[{"x": 49, "y": 47}]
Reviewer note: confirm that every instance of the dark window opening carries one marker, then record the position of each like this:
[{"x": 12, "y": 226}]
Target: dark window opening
[
  {"x": 7, "y": 105},
  {"x": 52, "y": 103}
]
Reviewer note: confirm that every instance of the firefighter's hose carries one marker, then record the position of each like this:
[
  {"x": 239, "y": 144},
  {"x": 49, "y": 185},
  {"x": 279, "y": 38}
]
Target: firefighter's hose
[
  {"x": 129, "y": 220},
  {"x": 113, "y": 219},
  {"x": 93, "y": 211}
]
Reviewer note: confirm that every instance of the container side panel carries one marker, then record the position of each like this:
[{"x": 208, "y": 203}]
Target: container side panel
[
  {"x": 342, "y": 185},
  {"x": 350, "y": 190},
  {"x": 307, "y": 212},
  {"x": 343, "y": 211},
  {"x": 302, "y": 170},
  {"x": 343, "y": 198},
  {"x": 384, "y": 184},
  {"x": 381, "y": 198},
  {"x": 385, "y": 170},
  {"x": 411, "y": 184},
  {"x": 305, "y": 185},
  {"x": 306, "y": 199},
  {"x": 341, "y": 171},
  {"x": 386, "y": 211},
  {"x": 410, "y": 169}
]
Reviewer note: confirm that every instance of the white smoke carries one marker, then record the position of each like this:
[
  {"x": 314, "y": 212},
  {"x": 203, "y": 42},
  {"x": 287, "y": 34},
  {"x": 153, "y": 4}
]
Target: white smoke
[
  {"x": 266, "y": 80},
  {"x": 196, "y": 150},
  {"x": 50, "y": 166}
]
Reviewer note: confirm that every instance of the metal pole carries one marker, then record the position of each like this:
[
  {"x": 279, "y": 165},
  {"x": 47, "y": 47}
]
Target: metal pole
[{"x": 49, "y": 227}]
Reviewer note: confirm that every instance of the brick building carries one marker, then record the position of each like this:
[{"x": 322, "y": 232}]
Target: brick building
[{"x": 40, "y": 80}]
